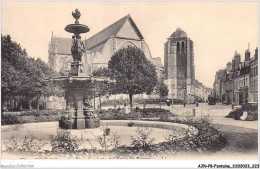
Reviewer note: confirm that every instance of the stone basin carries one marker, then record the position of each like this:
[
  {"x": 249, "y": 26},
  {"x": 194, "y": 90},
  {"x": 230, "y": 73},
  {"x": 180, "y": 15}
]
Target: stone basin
[
  {"x": 77, "y": 28},
  {"x": 88, "y": 137}
]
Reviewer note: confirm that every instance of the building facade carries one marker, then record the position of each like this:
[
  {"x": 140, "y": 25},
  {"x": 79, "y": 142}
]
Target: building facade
[
  {"x": 179, "y": 68},
  {"x": 237, "y": 84},
  {"x": 253, "y": 89},
  {"x": 100, "y": 47}
]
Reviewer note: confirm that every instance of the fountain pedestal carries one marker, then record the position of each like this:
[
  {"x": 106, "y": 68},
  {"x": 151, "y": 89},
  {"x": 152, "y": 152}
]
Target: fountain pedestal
[
  {"x": 79, "y": 116},
  {"x": 78, "y": 84},
  {"x": 76, "y": 69}
]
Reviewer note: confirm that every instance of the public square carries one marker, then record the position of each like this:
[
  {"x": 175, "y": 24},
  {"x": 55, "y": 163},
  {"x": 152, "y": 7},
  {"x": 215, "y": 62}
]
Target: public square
[{"x": 129, "y": 80}]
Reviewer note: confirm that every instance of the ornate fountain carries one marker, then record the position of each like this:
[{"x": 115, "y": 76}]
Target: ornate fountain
[{"x": 78, "y": 85}]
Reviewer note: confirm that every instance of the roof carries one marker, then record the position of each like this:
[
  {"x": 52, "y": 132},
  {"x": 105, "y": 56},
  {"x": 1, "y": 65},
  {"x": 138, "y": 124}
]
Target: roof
[
  {"x": 63, "y": 45},
  {"x": 179, "y": 33},
  {"x": 109, "y": 31}
]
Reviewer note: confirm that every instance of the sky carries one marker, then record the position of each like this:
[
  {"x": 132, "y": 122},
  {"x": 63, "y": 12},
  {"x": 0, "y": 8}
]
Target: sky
[{"x": 216, "y": 28}]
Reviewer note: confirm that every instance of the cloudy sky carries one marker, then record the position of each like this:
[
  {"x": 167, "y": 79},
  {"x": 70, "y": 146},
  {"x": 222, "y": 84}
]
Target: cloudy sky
[{"x": 217, "y": 28}]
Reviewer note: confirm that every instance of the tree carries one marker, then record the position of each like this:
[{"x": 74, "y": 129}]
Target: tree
[
  {"x": 133, "y": 73},
  {"x": 23, "y": 78},
  {"x": 102, "y": 89},
  {"x": 162, "y": 90}
]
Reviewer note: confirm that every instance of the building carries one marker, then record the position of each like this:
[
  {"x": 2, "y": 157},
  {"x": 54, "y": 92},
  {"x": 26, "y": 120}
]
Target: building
[
  {"x": 237, "y": 84},
  {"x": 253, "y": 89},
  {"x": 100, "y": 47},
  {"x": 179, "y": 69}
]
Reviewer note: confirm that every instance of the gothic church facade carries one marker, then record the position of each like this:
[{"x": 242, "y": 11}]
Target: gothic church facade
[{"x": 100, "y": 47}]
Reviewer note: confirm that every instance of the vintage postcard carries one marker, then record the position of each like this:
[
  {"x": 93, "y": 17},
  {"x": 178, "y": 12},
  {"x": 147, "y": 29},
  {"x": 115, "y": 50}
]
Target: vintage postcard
[{"x": 129, "y": 80}]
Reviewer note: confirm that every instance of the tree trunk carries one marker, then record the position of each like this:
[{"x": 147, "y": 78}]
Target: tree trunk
[
  {"x": 38, "y": 105},
  {"x": 100, "y": 102},
  {"x": 160, "y": 101},
  {"x": 30, "y": 104},
  {"x": 21, "y": 106},
  {"x": 130, "y": 98}
]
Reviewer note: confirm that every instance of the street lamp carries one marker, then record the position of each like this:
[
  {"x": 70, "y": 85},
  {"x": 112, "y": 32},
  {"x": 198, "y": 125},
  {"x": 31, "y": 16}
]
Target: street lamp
[{"x": 172, "y": 87}]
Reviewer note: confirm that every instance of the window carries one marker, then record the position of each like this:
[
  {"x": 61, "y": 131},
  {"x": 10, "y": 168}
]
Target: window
[
  {"x": 182, "y": 46},
  {"x": 178, "y": 46}
]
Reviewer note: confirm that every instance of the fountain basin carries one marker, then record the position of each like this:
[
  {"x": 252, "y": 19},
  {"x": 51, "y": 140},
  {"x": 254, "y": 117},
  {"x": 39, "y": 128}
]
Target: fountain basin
[{"x": 77, "y": 28}]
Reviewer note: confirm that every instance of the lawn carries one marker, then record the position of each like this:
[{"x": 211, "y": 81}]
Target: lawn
[{"x": 243, "y": 141}]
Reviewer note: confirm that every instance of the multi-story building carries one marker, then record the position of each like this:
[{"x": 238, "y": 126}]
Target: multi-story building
[
  {"x": 218, "y": 87},
  {"x": 253, "y": 87},
  {"x": 235, "y": 84}
]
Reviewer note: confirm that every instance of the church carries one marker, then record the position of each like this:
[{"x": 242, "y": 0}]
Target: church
[
  {"x": 98, "y": 50},
  {"x": 100, "y": 47},
  {"x": 179, "y": 69}
]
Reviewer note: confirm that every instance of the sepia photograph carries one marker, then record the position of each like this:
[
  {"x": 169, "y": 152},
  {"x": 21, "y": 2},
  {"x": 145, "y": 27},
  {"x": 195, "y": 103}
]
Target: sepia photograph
[{"x": 124, "y": 80}]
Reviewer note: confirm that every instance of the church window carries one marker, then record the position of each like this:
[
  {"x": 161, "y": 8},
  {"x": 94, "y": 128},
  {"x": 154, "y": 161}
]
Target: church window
[
  {"x": 178, "y": 46},
  {"x": 182, "y": 46}
]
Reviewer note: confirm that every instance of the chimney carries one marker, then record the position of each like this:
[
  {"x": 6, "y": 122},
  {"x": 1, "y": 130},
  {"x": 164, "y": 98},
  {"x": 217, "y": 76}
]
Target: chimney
[
  {"x": 256, "y": 53},
  {"x": 237, "y": 60},
  {"x": 233, "y": 64},
  {"x": 247, "y": 53}
]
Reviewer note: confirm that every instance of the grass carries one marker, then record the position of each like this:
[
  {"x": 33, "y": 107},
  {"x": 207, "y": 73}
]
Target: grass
[{"x": 239, "y": 139}]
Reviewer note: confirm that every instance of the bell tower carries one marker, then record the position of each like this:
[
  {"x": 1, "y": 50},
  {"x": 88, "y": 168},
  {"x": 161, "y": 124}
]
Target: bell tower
[{"x": 179, "y": 66}]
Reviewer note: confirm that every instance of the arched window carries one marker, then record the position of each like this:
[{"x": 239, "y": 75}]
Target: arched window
[
  {"x": 178, "y": 46},
  {"x": 182, "y": 46}
]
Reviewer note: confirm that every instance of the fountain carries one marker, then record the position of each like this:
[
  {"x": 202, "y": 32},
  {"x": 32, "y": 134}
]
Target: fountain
[{"x": 78, "y": 85}]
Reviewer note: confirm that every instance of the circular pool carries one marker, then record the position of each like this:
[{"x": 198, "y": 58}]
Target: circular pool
[{"x": 89, "y": 138}]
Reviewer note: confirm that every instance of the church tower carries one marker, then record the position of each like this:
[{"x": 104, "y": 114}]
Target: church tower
[{"x": 179, "y": 66}]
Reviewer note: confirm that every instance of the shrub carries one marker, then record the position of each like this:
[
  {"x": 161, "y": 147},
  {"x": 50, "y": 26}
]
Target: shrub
[
  {"x": 252, "y": 110},
  {"x": 142, "y": 140},
  {"x": 9, "y": 119},
  {"x": 249, "y": 118},
  {"x": 31, "y": 144},
  {"x": 64, "y": 141},
  {"x": 250, "y": 107},
  {"x": 11, "y": 143},
  {"x": 254, "y": 114},
  {"x": 107, "y": 142},
  {"x": 207, "y": 139},
  {"x": 119, "y": 114},
  {"x": 236, "y": 114}
]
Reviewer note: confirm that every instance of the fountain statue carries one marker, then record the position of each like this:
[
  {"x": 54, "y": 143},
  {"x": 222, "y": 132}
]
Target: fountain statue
[{"x": 79, "y": 86}]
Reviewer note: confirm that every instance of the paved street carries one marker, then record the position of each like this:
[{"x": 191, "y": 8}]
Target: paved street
[{"x": 216, "y": 112}]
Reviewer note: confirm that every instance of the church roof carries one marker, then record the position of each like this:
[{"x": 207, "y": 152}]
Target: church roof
[
  {"x": 63, "y": 45},
  {"x": 109, "y": 31},
  {"x": 179, "y": 33}
]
